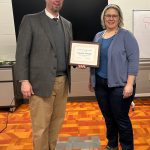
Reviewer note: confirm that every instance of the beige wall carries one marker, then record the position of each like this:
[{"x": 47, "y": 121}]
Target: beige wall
[{"x": 80, "y": 80}]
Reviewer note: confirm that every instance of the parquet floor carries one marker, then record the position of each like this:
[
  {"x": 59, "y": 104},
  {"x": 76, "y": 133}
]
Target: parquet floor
[{"x": 82, "y": 119}]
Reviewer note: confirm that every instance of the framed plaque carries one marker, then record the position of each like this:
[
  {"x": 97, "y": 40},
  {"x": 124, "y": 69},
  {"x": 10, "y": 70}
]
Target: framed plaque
[{"x": 85, "y": 53}]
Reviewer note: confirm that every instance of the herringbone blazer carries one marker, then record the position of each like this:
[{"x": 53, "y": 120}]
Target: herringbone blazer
[{"x": 36, "y": 58}]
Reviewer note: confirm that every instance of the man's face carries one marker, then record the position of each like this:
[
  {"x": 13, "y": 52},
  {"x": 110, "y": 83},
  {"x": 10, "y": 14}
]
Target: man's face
[{"x": 54, "y": 6}]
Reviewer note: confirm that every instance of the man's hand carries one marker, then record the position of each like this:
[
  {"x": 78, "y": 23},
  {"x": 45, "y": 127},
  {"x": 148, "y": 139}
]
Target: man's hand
[{"x": 26, "y": 89}]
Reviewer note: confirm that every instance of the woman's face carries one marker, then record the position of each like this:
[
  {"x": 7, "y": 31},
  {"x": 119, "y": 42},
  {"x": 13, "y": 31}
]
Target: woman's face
[{"x": 111, "y": 19}]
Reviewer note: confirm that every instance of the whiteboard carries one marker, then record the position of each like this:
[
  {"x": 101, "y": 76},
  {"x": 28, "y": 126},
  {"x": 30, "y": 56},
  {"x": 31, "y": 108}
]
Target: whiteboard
[{"x": 141, "y": 30}]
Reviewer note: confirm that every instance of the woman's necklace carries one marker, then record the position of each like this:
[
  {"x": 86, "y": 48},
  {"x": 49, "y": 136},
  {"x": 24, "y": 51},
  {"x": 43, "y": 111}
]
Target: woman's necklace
[{"x": 108, "y": 34}]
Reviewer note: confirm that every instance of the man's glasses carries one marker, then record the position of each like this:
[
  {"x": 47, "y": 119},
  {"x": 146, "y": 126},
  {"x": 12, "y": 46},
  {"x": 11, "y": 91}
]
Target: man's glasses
[{"x": 111, "y": 16}]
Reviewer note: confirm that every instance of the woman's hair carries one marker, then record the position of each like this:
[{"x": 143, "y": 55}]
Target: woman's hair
[{"x": 117, "y": 8}]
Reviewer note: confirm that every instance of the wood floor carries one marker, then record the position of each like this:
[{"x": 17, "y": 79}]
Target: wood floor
[{"x": 82, "y": 119}]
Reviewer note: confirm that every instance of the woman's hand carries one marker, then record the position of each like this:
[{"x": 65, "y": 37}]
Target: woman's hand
[{"x": 128, "y": 90}]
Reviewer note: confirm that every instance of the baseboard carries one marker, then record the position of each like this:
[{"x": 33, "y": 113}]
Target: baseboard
[
  {"x": 142, "y": 95},
  {"x": 82, "y": 98},
  {"x": 92, "y": 98}
]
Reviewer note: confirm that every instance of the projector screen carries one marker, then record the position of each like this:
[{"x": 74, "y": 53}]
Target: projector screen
[{"x": 84, "y": 15}]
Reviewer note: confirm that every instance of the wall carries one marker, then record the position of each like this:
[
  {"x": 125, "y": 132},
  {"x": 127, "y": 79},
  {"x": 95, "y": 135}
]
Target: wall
[
  {"x": 80, "y": 80},
  {"x": 7, "y": 31}
]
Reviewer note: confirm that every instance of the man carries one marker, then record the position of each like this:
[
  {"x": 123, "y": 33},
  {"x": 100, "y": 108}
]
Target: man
[{"x": 42, "y": 68}]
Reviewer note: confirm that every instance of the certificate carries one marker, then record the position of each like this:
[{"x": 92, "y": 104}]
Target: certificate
[{"x": 85, "y": 53}]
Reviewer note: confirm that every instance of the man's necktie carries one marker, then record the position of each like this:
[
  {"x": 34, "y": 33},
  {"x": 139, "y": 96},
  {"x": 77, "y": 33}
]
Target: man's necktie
[{"x": 55, "y": 19}]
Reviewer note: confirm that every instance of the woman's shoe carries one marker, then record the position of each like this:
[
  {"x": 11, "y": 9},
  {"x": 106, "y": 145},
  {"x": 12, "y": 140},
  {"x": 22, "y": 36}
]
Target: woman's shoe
[{"x": 111, "y": 148}]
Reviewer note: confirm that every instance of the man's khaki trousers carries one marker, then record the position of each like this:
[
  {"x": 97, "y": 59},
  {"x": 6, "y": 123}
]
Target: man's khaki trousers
[{"x": 47, "y": 115}]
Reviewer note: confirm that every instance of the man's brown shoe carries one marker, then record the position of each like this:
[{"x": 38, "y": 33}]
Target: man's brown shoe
[{"x": 111, "y": 148}]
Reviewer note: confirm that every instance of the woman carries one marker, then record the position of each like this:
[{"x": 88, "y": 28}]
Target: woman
[{"x": 114, "y": 80}]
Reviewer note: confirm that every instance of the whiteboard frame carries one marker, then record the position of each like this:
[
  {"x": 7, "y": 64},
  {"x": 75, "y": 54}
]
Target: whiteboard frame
[{"x": 133, "y": 13}]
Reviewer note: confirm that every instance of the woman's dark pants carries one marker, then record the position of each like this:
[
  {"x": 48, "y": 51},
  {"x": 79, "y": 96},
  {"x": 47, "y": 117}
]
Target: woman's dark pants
[{"x": 115, "y": 110}]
